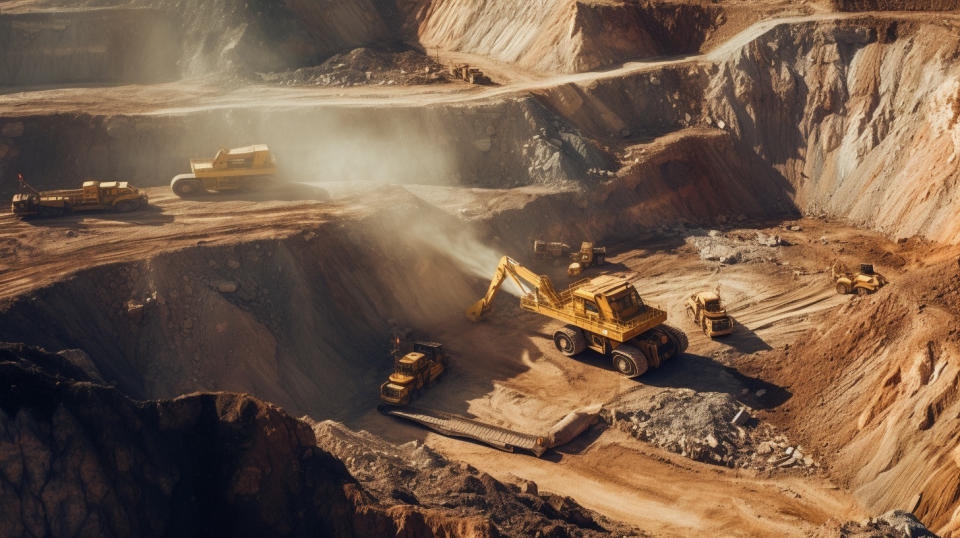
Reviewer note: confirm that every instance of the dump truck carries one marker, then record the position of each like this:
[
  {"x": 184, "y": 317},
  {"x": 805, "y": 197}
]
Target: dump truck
[
  {"x": 469, "y": 74},
  {"x": 709, "y": 314},
  {"x": 412, "y": 372},
  {"x": 229, "y": 170},
  {"x": 91, "y": 196},
  {"x": 604, "y": 314},
  {"x": 867, "y": 280}
]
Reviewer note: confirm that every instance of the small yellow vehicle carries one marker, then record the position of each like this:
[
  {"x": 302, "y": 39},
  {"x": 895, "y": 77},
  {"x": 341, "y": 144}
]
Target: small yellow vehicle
[
  {"x": 229, "y": 170},
  {"x": 867, "y": 280},
  {"x": 709, "y": 314},
  {"x": 413, "y": 372},
  {"x": 92, "y": 196}
]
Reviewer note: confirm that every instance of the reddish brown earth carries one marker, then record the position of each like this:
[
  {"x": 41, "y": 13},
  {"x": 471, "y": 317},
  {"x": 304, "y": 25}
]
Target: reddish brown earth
[{"x": 786, "y": 135}]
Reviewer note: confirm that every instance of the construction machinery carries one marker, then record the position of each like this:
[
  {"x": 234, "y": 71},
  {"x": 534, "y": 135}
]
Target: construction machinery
[
  {"x": 867, "y": 280},
  {"x": 91, "y": 196},
  {"x": 604, "y": 313},
  {"x": 709, "y": 314},
  {"x": 229, "y": 170},
  {"x": 412, "y": 372},
  {"x": 587, "y": 256},
  {"x": 469, "y": 74}
]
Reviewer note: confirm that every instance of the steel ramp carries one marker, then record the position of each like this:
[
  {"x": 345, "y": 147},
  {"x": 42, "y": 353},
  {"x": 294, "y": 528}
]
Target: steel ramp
[{"x": 460, "y": 426}]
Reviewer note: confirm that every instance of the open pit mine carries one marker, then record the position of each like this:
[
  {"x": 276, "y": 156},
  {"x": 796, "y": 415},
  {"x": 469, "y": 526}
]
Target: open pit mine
[{"x": 452, "y": 268}]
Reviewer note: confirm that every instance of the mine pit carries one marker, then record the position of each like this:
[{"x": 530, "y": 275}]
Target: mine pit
[{"x": 215, "y": 361}]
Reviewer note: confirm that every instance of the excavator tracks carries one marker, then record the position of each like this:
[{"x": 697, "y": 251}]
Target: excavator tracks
[{"x": 460, "y": 426}]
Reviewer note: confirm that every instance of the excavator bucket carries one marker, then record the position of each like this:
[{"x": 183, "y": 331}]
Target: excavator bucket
[{"x": 476, "y": 312}]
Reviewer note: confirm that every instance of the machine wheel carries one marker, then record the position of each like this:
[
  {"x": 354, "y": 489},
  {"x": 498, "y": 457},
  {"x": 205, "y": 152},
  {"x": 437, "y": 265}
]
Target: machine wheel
[
  {"x": 679, "y": 337},
  {"x": 569, "y": 340},
  {"x": 862, "y": 291},
  {"x": 127, "y": 206},
  {"x": 46, "y": 211},
  {"x": 842, "y": 288},
  {"x": 186, "y": 186},
  {"x": 629, "y": 361}
]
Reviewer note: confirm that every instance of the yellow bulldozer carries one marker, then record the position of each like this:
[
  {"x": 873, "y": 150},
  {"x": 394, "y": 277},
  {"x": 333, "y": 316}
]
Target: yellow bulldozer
[
  {"x": 91, "y": 196},
  {"x": 604, "y": 313},
  {"x": 229, "y": 170},
  {"x": 412, "y": 372},
  {"x": 865, "y": 281},
  {"x": 469, "y": 74}
]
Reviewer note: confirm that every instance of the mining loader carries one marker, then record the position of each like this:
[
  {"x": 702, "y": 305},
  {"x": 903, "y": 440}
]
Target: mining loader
[
  {"x": 587, "y": 256},
  {"x": 92, "y": 196},
  {"x": 867, "y": 280},
  {"x": 469, "y": 74},
  {"x": 709, "y": 314},
  {"x": 604, "y": 313},
  {"x": 229, "y": 170},
  {"x": 412, "y": 372}
]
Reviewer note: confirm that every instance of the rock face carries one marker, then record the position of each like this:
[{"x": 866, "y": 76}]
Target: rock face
[
  {"x": 80, "y": 459},
  {"x": 109, "y": 45}
]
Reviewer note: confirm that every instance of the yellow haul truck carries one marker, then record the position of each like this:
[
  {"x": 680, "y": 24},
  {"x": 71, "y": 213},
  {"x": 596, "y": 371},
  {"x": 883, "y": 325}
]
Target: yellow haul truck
[
  {"x": 92, "y": 196},
  {"x": 229, "y": 170},
  {"x": 413, "y": 372},
  {"x": 708, "y": 312},
  {"x": 605, "y": 314}
]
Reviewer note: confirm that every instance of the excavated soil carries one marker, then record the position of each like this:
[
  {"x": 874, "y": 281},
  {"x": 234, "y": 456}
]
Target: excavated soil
[{"x": 738, "y": 147}]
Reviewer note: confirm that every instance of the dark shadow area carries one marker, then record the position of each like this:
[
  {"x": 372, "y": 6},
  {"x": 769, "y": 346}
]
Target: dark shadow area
[
  {"x": 272, "y": 192},
  {"x": 150, "y": 215},
  {"x": 703, "y": 374},
  {"x": 744, "y": 340}
]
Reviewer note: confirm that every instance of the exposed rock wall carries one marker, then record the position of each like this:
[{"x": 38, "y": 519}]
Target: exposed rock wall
[
  {"x": 497, "y": 144},
  {"x": 566, "y": 36},
  {"x": 104, "y": 45},
  {"x": 80, "y": 459},
  {"x": 860, "y": 116}
]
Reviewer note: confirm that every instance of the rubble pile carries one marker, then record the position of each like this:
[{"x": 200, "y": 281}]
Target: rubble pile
[
  {"x": 364, "y": 67},
  {"x": 732, "y": 248},
  {"x": 708, "y": 427},
  {"x": 414, "y": 474}
]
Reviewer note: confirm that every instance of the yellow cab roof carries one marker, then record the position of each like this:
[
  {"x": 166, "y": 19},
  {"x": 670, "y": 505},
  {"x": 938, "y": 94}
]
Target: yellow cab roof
[
  {"x": 602, "y": 285},
  {"x": 412, "y": 357},
  {"x": 709, "y": 296},
  {"x": 248, "y": 149}
]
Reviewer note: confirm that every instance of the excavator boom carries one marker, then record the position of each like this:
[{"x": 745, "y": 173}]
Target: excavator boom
[{"x": 542, "y": 287}]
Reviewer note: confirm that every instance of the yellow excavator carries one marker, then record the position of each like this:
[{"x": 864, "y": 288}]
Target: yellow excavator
[{"x": 604, "y": 313}]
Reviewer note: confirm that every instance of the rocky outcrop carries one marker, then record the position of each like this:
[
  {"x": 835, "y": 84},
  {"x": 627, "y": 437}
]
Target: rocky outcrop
[
  {"x": 568, "y": 36},
  {"x": 78, "y": 458}
]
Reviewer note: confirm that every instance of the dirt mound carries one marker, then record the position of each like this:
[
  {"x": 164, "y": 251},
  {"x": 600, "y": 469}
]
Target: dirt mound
[
  {"x": 896, "y": 524},
  {"x": 365, "y": 66},
  {"x": 887, "y": 399},
  {"x": 416, "y": 475}
]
